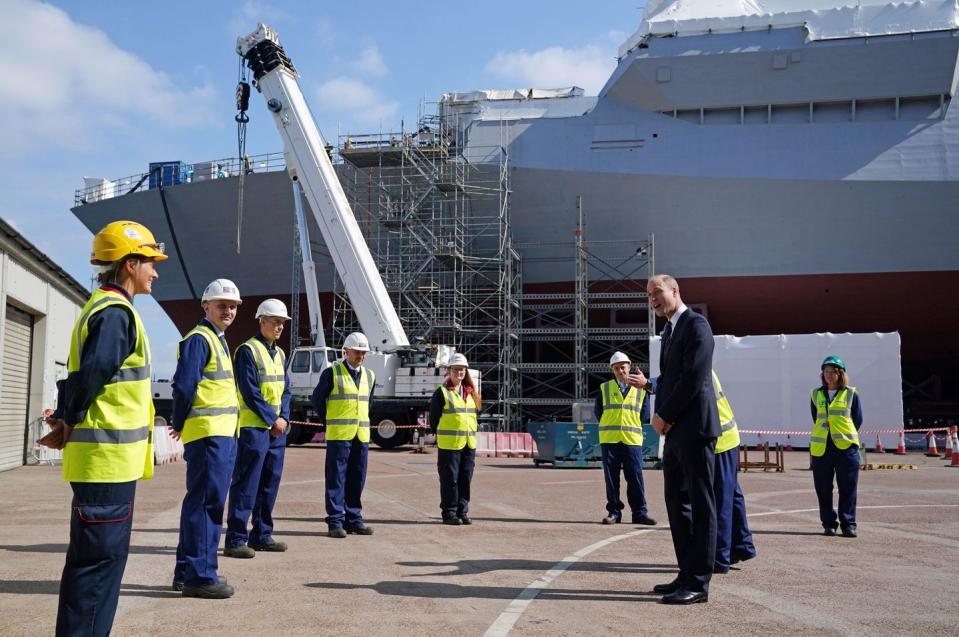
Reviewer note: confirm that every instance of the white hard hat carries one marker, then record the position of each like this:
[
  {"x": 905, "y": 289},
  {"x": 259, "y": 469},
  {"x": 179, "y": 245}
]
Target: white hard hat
[
  {"x": 457, "y": 359},
  {"x": 357, "y": 341},
  {"x": 619, "y": 357},
  {"x": 222, "y": 290},
  {"x": 272, "y": 307}
]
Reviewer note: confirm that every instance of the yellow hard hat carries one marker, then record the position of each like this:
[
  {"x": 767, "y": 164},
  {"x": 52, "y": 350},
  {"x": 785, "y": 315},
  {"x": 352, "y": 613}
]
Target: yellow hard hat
[{"x": 123, "y": 238}]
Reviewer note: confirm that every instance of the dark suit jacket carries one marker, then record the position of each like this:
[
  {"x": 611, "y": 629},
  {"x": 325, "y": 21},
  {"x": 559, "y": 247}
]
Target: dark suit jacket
[{"x": 684, "y": 392}]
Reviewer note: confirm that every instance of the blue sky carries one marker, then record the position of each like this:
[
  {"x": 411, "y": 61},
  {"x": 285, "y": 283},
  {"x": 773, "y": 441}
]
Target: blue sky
[{"x": 102, "y": 88}]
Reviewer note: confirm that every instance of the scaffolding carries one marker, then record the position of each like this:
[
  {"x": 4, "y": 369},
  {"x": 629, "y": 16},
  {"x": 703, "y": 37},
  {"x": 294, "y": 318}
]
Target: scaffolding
[
  {"x": 569, "y": 335},
  {"x": 438, "y": 227}
]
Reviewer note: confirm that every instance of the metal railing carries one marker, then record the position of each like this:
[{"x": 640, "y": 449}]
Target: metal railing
[{"x": 98, "y": 190}]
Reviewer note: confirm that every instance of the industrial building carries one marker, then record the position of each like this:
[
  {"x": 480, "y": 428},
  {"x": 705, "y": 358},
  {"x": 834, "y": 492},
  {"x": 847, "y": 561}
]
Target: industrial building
[{"x": 39, "y": 304}]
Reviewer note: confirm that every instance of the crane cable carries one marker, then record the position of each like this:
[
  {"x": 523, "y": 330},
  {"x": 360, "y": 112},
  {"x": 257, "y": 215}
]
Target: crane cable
[{"x": 241, "y": 118}]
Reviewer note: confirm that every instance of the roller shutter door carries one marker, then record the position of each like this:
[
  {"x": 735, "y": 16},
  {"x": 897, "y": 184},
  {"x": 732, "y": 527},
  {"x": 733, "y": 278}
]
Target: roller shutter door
[{"x": 14, "y": 385}]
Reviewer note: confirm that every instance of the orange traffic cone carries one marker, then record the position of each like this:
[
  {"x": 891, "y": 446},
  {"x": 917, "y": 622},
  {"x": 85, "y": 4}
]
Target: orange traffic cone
[
  {"x": 933, "y": 450},
  {"x": 948, "y": 445},
  {"x": 955, "y": 450},
  {"x": 901, "y": 449},
  {"x": 879, "y": 448}
]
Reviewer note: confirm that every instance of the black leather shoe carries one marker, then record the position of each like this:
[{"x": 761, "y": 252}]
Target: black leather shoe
[
  {"x": 452, "y": 521},
  {"x": 736, "y": 558},
  {"x": 849, "y": 532},
  {"x": 178, "y": 586},
  {"x": 682, "y": 596},
  {"x": 829, "y": 532},
  {"x": 337, "y": 533},
  {"x": 645, "y": 520},
  {"x": 611, "y": 519},
  {"x": 666, "y": 589},
  {"x": 466, "y": 520},
  {"x": 720, "y": 570},
  {"x": 360, "y": 530},
  {"x": 220, "y": 590},
  {"x": 269, "y": 547}
]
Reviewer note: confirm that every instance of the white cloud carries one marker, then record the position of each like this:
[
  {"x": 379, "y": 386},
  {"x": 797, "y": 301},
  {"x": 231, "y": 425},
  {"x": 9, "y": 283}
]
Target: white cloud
[
  {"x": 370, "y": 62},
  {"x": 357, "y": 98},
  {"x": 588, "y": 67},
  {"x": 252, "y": 12},
  {"x": 69, "y": 86}
]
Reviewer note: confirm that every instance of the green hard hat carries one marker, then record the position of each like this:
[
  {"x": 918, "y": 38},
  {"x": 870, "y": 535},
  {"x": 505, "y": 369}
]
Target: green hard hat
[{"x": 834, "y": 361}]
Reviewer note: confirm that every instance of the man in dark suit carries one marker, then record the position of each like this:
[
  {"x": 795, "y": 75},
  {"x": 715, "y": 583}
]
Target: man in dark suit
[{"x": 686, "y": 414}]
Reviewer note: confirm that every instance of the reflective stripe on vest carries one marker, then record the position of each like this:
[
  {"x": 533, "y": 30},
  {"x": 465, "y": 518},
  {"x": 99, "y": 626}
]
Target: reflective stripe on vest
[
  {"x": 271, "y": 379},
  {"x": 215, "y": 408},
  {"x": 114, "y": 443},
  {"x": 833, "y": 419},
  {"x": 622, "y": 416},
  {"x": 729, "y": 439},
  {"x": 458, "y": 425},
  {"x": 348, "y": 406}
]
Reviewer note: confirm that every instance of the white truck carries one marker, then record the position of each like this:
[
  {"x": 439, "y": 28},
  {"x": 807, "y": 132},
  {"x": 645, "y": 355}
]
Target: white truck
[{"x": 406, "y": 376}]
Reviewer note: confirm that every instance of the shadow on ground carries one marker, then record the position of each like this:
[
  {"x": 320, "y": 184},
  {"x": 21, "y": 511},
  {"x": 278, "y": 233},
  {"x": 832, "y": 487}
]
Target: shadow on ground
[
  {"x": 437, "y": 590},
  {"x": 469, "y": 567}
]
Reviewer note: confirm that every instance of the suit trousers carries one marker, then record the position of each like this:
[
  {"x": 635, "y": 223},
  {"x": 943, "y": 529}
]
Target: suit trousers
[
  {"x": 733, "y": 537},
  {"x": 688, "y": 477},
  {"x": 456, "y": 472},
  {"x": 345, "y": 478},
  {"x": 256, "y": 483},
  {"x": 628, "y": 459},
  {"x": 209, "y": 466},
  {"x": 843, "y": 464},
  {"x": 100, "y": 526}
]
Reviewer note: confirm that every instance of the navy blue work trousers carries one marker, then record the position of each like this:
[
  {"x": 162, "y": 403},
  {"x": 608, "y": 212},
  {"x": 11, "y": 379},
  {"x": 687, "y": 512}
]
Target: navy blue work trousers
[
  {"x": 628, "y": 459},
  {"x": 843, "y": 465},
  {"x": 732, "y": 528},
  {"x": 345, "y": 477},
  {"x": 209, "y": 466},
  {"x": 100, "y": 526},
  {"x": 456, "y": 472},
  {"x": 256, "y": 483},
  {"x": 688, "y": 468}
]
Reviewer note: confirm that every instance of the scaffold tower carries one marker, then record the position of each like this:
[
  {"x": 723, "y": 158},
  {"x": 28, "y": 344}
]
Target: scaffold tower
[{"x": 438, "y": 227}]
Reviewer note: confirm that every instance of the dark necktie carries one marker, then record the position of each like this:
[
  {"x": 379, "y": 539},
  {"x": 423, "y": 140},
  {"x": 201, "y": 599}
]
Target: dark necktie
[
  {"x": 662, "y": 346},
  {"x": 226, "y": 348}
]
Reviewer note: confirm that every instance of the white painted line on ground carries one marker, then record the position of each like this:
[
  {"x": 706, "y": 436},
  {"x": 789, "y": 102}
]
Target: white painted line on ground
[{"x": 508, "y": 618}]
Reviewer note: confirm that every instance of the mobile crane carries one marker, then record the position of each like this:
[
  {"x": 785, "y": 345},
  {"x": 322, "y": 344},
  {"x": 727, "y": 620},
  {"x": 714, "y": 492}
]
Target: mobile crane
[{"x": 406, "y": 375}]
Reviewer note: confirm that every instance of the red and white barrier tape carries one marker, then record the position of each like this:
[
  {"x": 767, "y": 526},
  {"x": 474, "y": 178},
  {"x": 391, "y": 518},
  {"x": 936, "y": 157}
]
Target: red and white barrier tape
[
  {"x": 319, "y": 424},
  {"x": 764, "y": 432}
]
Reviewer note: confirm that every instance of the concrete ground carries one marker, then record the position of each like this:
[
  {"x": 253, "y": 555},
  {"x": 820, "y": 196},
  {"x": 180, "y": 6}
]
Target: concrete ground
[{"x": 536, "y": 561}]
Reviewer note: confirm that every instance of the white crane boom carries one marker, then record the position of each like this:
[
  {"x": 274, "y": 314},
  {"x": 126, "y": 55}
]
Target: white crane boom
[{"x": 308, "y": 162}]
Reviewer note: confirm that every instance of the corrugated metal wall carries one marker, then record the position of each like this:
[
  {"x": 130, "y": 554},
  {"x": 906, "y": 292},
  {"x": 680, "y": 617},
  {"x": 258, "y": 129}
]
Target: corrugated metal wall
[{"x": 15, "y": 385}]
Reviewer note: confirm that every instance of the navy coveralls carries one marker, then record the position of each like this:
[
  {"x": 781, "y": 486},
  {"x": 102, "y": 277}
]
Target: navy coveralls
[
  {"x": 259, "y": 456},
  {"x": 345, "y": 462},
  {"x": 455, "y": 468},
  {"x": 101, "y": 512},
  {"x": 734, "y": 540},
  {"x": 843, "y": 464},
  {"x": 209, "y": 465},
  {"x": 628, "y": 459}
]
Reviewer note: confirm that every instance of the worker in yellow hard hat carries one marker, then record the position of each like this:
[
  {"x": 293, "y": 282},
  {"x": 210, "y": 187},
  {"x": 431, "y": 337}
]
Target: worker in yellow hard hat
[{"x": 105, "y": 426}]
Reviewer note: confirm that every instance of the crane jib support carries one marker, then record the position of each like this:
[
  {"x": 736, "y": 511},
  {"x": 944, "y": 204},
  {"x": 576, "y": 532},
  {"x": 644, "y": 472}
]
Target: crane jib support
[{"x": 265, "y": 56}]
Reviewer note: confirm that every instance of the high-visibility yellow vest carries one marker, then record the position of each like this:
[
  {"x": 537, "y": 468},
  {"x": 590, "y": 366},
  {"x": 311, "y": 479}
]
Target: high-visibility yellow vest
[
  {"x": 457, "y": 426},
  {"x": 622, "y": 415},
  {"x": 729, "y": 439},
  {"x": 833, "y": 419},
  {"x": 271, "y": 376},
  {"x": 348, "y": 406},
  {"x": 215, "y": 407},
  {"x": 114, "y": 443}
]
